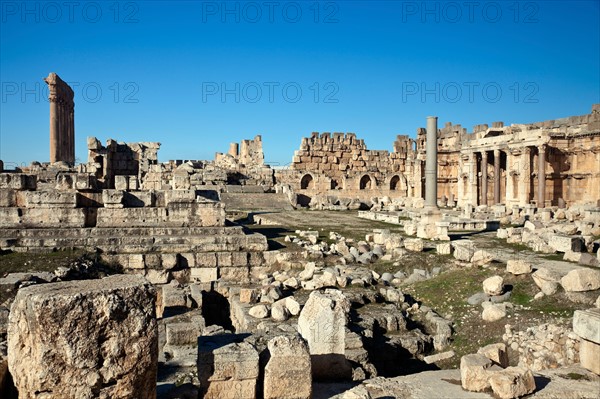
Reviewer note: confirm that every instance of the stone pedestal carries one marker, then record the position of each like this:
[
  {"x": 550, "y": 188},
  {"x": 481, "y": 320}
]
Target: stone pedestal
[{"x": 427, "y": 227}]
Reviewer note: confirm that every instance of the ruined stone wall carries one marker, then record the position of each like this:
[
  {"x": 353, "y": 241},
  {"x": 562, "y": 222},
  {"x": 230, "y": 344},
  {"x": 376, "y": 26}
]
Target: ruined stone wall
[
  {"x": 563, "y": 152},
  {"x": 244, "y": 164},
  {"x": 120, "y": 159},
  {"x": 342, "y": 163},
  {"x": 550, "y": 163}
]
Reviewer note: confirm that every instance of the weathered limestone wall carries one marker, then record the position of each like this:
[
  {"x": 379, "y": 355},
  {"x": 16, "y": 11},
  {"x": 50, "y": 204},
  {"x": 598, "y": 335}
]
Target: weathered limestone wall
[
  {"x": 341, "y": 163},
  {"x": 244, "y": 164},
  {"x": 120, "y": 159}
]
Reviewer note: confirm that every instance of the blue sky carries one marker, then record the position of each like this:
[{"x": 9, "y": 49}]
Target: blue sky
[{"x": 197, "y": 75}]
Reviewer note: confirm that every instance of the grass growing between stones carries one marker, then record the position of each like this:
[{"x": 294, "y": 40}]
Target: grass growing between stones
[
  {"x": 517, "y": 248},
  {"x": 345, "y": 223},
  {"x": 15, "y": 262},
  {"x": 447, "y": 295}
]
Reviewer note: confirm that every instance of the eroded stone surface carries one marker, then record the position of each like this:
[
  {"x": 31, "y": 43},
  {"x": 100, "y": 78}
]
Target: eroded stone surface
[
  {"x": 322, "y": 323},
  {"x": 85, "y": 339},
  {"x": 288, "y": 374}
]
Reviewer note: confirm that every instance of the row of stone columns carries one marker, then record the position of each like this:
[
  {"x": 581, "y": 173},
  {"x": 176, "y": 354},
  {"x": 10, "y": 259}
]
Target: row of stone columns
[
  {"x": 62, "y": 120},
  {"x": 524, "y": 170}
]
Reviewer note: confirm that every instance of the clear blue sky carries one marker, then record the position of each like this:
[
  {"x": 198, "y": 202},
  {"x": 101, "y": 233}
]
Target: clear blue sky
[{"x": 156, "y": 70}]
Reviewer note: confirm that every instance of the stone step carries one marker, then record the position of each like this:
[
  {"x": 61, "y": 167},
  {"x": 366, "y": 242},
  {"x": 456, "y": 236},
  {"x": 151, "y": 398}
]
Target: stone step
[
  {"x": 255, "y": 201},
  {"x": 111, "y": 232}
]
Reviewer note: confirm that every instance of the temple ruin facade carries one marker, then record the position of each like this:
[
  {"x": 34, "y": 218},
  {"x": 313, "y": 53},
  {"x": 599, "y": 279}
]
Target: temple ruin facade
[{"x": 542, "y": 164}]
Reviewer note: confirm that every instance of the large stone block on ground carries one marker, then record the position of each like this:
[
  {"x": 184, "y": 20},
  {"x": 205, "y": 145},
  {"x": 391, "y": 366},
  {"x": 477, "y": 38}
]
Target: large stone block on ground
[
  {"x": 589, "y": 355},
  {"x": 493, "y": 285},
  {"x": 463, "y": 250},
  {"x": 227, "y": 368},
  {"x": 413, "y": 244},
  {"x": 547, "y": 280},
  {"x": 586, "y": 324},
  {"x": 518, "y": 266},
  {"x": 288, "y": 374},
  {"x": 322, "y": 323},
  {"x": 581, "y": 280},
  {"x": 444, "y": 248},
  {"x": 562, "y": 243},
  {"x": 475, "y": 371},
  {"x": 85, "y": 339},
  {"x": 512, "y": 382},
  {"x": 498, "y": 353}
]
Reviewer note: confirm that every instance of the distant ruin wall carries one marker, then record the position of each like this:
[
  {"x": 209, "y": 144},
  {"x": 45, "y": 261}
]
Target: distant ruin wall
[{"x": 549, "y": 163}]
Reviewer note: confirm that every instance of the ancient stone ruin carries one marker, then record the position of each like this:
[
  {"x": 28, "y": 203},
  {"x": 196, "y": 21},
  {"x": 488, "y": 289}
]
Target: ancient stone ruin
[
  {"x": 550, "y": 163},
  {"x": 62, "y": 120},
  {"x": 458, "y": 265}
]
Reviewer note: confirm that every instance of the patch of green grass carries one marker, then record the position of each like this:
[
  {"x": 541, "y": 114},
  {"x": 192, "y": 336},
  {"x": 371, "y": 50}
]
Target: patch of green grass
[
  {"x": 524, "y": 291},
  {"x": 553, "y": 256},
  {"x": 516, "y": 247},
  {"x": 519, "y": 297},
  {"x": 15, "y": 262},
  {"x": 449, "y": 289},
  {"x": 575, "y": 376}
]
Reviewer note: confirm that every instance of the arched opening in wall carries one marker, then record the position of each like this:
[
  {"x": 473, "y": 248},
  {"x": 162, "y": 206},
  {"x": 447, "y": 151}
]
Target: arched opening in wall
[
  {"x": 307, "y": 182},
  {"x": 395, "y": 183},
  {"x": 334, "y": 184},
  {"x": 365, "y": 183}
]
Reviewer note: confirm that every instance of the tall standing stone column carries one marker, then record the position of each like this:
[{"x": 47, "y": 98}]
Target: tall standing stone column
[
  {"x": 431, "y": 163},
  {"x": 541, "y": 176},
  {"x": 54, "y": 130},
  {"x": 484, "y": 187},
  {"x": 473, "y": 178},
  {"x": 62, "y": 120},
  {"x": 510, "y": 188},
  {"x": 496, "y": 177},
  {"x": 524, "y": 176}
]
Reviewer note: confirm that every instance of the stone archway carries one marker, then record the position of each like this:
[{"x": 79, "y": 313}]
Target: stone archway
[
  {"x": 394, "y": 183},
  {"x": 366, "y": 183},
  {"x": 307, "y": 182}
]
